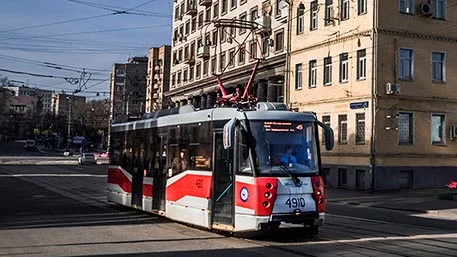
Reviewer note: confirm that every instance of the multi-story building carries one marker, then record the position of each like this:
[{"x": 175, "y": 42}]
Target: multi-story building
[
  {"x": 128, "y": 89},
  {"x": 379, "y": 72},
  {"x": 158, "y": 77},
  {"x": 45, "y": 96},
  {"x": 206, "y": 42},
  {"x": 61, "y": 104}
]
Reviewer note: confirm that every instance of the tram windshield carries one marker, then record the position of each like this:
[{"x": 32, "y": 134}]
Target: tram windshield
[{"x": 285, "y": 148}]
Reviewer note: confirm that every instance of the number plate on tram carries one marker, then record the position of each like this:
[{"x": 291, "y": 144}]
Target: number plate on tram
[{"x": 295, "y": 202}]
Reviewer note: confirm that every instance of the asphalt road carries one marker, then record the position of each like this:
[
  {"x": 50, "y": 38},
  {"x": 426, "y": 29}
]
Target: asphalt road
[{"x": 62, "y": 211}]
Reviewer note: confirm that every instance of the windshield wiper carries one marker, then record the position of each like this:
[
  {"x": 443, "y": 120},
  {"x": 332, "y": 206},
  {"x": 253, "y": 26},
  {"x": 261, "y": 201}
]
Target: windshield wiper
[{"x": 294, "y": 178}]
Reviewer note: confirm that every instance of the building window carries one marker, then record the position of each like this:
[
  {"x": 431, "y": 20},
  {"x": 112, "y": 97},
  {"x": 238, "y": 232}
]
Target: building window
[
  {"x": 344, "y": 67},
  {"x": 222, "y": 62},
  {"x": 208, "y": 14},
  {"x": 173, "y": 80},
  {"x": 405, "y": 64},
  {"x": 198, "y": 70},
  {"x": 406, "y": 6},
  {"x": 342, "y": 177},
  {"x": 232, "y": 58},
  {"x": 200, "y": 19},
  {"x": 360, "y": 179},
  {"x": 405, "y": 128},
  {"x": 224, "y": 7},
  {"x": 216, "y": 11},
  {"x": 300, "y": 21},
  {"x": 241, "y": 55},
  {"x": 205, "y": 67},
  {"x": 178, "y": 78},
  {"x": 313, "y": 16},
  {"x": 253, "y": 50},
  {"x": 222, "y": 35},
  {"x": 438, "y": 128},
  {"x": 439, "y": 9},
  {"x": 214, "y": 39},
  {"x": 344, "y": 10},
  {"x": 327, "y": 70},
  {"x": 361, "y": 7},
  {"x": 326, "y": 121},
  {"x": 298, "y": 76},
  {"x": 254, "y": 13},
  {"x": 213, "y": 65},
  {"x": 438, "y": 67},
  {"x": 187, "y": 28},
  {"x": 193, "y": 24},
  {"x": 312, "y": 73},
  {"x": 342, "y": 129},
  {"x": 243, "y": 1},
  {"x": 361, "y": 64},
  {"x": 185, "y": 76},
  {"x": 243, "y": 18},
  {"x": 360, "y": 128},
  {"x": 266, "y": 46},
  {"x": 232, "y": 4},
  {"x": 191, "y": 72},
  {"x": 329, "y": 16},
  {"x": 279, "y": 41}
]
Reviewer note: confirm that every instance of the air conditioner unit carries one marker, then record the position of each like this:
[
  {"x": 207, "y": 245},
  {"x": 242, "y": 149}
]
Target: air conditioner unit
[
  {"x": 264, "y": 22},
  {"x": 454, "y": 131},
  {"x": 426, "y": 9},
  {"x": 392, "y": 89}
]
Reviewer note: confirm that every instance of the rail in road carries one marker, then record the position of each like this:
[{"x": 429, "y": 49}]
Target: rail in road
[{"x": 62, "y": 211}]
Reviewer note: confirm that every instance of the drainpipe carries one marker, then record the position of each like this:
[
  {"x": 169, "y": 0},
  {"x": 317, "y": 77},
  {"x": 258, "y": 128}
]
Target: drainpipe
[{"x": 373, "y": 94}]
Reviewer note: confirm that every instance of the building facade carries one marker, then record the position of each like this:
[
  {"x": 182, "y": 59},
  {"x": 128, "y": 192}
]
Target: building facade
[
  {"x": 207, "y": 42},
  {"x": 45, "y": 96},
  {"x": 61, "y": 104},
  {"x": 158, "y": 76},
  {"x": 380, "y": 74},
  {"x": 128, "y": 89}
]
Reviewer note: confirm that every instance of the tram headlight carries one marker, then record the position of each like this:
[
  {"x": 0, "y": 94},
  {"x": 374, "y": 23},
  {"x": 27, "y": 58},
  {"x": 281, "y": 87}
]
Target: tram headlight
[
  {"x": 267, "y": 195},
  {"x": 268, "y": 185},
  {"x": 266, "y": 204}
]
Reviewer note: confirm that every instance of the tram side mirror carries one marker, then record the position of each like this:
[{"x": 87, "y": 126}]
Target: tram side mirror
[
  {"x": 229, "y": 133},
  {"x": 328, "y": 131}
]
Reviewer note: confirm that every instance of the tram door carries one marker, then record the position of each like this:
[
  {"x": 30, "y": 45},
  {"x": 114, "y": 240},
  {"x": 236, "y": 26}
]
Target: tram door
[
  {"x": 137, "y": 174},
  {"x": 159, "y": 174},
  {"x": 223, "y": 186}
]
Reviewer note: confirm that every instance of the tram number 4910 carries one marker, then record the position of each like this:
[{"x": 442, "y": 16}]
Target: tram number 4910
[{"x": 296, "y": 202}]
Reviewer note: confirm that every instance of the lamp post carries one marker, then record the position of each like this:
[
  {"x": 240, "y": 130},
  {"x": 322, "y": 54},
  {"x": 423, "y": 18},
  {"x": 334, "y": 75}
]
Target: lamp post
[
  {"x": 69, "y": 98},
  {"x": 300, "y": 7}
]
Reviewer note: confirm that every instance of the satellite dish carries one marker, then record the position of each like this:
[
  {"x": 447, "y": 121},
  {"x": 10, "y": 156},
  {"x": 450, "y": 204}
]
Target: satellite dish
[{"x": 267, "y": 8}]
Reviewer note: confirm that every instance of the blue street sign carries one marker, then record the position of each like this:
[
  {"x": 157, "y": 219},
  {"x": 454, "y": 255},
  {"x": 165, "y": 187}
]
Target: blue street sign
[{"x": 358, "y": 105}]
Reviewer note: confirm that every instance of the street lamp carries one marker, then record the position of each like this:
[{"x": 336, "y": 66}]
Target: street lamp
[{"x": 300, "y": 7}]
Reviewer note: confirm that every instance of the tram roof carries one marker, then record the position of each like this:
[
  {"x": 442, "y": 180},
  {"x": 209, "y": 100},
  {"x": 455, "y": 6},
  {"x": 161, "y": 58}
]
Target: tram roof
[{"x": 188, "y": 115}]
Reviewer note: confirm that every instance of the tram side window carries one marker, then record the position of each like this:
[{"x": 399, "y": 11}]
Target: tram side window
[
  {"x": 243, "y": 153},
  {"x": 200, "y": 147},
  {"x": 115, "y": 151}
]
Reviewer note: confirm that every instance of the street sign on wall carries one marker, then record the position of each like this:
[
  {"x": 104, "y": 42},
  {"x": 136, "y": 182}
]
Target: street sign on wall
[{"x": 358, "y": 105}]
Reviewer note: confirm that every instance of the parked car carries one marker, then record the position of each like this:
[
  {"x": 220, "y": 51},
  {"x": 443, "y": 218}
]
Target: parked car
[{"x": 87, "y": 158}]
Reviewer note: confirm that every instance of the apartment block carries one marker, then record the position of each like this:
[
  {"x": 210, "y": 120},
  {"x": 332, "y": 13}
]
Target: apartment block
[
  {"x": 380, "y": 74},
  {"x": 61, "y": 104},
  {"x": 128, "y": 89},
  {"x": 158, "y": 82},
  {"x": 45, "y": 96},
  {"x": 206, "y": 43}
]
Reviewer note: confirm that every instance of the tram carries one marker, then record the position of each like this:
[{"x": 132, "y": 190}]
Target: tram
[{"x": 224, "y": 169}]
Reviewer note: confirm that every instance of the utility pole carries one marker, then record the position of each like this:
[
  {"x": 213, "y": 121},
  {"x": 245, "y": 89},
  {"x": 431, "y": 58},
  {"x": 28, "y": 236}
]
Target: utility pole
[{"x": 80, "y": 82}]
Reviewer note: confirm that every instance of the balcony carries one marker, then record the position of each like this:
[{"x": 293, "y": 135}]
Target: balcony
[
  {"x": 205, "y": 2},
  {"x": 203, "y": 52}
]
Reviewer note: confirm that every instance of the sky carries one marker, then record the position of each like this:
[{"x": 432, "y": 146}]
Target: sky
[{"x": 49, "y": 43}]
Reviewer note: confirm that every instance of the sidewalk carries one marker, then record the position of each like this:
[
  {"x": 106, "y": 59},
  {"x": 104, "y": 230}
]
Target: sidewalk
[{"x": 423, "y": 201}]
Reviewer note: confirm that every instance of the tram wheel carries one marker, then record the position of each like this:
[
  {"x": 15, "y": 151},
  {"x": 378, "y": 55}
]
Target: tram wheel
[{"x": 274, "y": 226}]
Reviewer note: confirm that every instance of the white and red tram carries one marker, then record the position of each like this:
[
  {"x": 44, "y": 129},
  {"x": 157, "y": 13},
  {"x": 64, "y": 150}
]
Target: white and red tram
[{"x": 235, "y": 178}]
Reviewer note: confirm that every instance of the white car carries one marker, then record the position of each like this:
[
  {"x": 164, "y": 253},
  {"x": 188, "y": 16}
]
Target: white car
[{"x": 87, "y": 158}]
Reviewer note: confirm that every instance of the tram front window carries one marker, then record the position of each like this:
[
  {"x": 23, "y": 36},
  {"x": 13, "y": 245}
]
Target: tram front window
[{"x": 285, "y": 146}]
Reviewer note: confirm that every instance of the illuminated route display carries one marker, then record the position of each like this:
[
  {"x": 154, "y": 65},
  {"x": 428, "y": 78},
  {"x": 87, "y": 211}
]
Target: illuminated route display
[{"x": 278, "y": 126}]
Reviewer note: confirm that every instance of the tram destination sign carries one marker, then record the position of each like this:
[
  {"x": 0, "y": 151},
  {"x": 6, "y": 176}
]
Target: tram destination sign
[
  {"x": 281, "y": 126},
  {"x": 358, "y": 105}
]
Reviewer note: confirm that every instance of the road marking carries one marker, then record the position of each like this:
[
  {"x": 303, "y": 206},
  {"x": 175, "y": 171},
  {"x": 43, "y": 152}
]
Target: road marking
[{"x": 52, "y": 175}]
